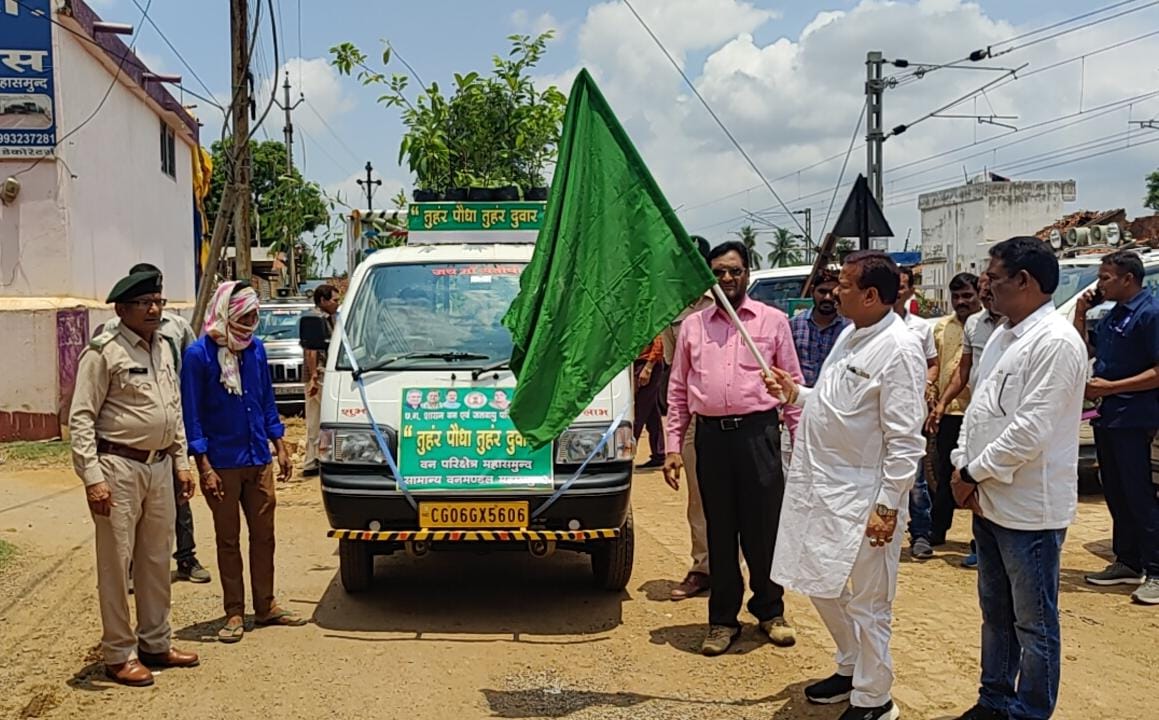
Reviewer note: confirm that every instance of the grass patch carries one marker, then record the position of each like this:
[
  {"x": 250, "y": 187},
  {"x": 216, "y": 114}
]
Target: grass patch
[
  {"x": 52, "y": 453},
  {"x": 7, "y": 552}
]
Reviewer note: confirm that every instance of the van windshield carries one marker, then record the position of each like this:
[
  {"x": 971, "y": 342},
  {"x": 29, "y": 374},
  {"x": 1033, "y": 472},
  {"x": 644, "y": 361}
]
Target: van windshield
[
  {"x": 1072, "y": 279},
  {"x": 430, "y": 310}
]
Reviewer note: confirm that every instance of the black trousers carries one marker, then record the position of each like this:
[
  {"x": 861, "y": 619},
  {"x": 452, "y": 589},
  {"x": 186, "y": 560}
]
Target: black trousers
[
  {"x": 946, "y": 442},
  {"x": 1125, "y": 470},
  {"x": 742, "y": 485},
  {"x": 186, "y": 549}
]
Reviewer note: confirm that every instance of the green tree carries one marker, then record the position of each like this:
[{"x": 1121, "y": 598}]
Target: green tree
[
  {"x": 748, "y": 235},
  {"x": 785, "y": 250},
  {"x": 282, "y": 200},
  {"x": 845, "y": 246},
  {"x": 1152, "y": 200}
]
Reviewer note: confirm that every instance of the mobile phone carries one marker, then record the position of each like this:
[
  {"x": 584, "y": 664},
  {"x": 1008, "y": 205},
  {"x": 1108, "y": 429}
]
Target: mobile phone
[{"x": 1097, "y": 297}]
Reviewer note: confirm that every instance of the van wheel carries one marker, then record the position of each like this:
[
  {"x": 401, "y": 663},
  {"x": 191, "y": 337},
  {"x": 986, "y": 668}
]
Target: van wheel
[
  {"x": 612, "y": 560},
  {"x": 356, "y": 565}
]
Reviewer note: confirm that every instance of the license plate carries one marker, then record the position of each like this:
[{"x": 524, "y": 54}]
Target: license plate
[{"x": 473, "y": 515}]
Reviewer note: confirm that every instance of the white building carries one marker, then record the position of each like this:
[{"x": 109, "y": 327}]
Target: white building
[
  {"x": 959, "y": 225},
  {"x": 85, "y": 198}
]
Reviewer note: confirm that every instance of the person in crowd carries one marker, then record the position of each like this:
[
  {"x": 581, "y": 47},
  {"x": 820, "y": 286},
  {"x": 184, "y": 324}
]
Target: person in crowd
[
  {"x": 1126, "y": 384},
  {"x": 127, "y": 437},
  {"x": 738, "y": 445},
  {"x": 816, "y": 329},
  {"x": 920, "y": 504},
  {"x": 857, "y": 452},
  {"x": 649, "y": 371},
  {"x": 1015, "y": 468},
  {"x": 326, "y": 306},
  {"x": 231, "y": 420}
]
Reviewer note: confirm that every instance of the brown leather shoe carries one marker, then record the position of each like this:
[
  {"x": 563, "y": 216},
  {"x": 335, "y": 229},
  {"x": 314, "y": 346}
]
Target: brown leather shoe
[
  {"x": 131, "y": 673},
  {"x": 693, "y": 584},
  {"x": 174, "y": 658}
]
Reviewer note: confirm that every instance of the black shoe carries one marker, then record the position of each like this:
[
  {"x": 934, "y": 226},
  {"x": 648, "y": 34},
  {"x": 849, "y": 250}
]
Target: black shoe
[
  {"x": 193, "y": 572},
  {"x": 982, "y": 713},
  {"x": 887, "y": 711},
  {"x": 830, "y": 691},
  {"x": 651, "y": 464}
]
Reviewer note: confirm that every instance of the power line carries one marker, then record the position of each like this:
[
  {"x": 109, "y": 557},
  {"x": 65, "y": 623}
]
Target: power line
[
  {"x": 180, "y": 58},
  {"x": 1068, "y": 31},
  {"x": 840, "y": 177},
  {"x": 711, "y": 112},
  {"x": 322, "y": 148},
  {"x": 104, "y": 98},
  {"x": 333, "y": 134}
]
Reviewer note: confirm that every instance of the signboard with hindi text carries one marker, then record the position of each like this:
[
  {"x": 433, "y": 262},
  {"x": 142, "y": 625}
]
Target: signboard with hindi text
[
  {"x": 27, "y": 109},
  {"x": 474, "y": 222},
  {"x": 454, "y": 440}
]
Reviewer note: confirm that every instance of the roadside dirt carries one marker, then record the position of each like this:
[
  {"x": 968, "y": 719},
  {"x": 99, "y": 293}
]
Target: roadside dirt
[{"x": 506, "y": 636}]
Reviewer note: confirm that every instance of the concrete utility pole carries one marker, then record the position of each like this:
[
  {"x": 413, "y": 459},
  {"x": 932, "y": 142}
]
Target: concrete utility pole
[
  {"x": 242, "y": 170},
  {"x": 368, "y": 186},
  {"x": 875, "y": 132},
  {"x": 808, "y": 213},
  {"x": 288, "y": 131}
]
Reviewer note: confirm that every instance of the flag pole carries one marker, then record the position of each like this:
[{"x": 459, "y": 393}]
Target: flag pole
[{"x": 740, "y": 328}]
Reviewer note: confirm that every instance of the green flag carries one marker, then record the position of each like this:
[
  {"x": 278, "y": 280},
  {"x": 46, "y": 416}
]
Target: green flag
[{"x": 612, "y": 267}]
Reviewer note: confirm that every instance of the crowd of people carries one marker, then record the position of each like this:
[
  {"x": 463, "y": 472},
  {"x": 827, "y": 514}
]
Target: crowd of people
[{"x": 893, "y": 423}]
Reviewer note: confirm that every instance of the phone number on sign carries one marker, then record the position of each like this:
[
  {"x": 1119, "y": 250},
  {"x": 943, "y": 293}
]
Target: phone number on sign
[{"x": 25, "y": 138}]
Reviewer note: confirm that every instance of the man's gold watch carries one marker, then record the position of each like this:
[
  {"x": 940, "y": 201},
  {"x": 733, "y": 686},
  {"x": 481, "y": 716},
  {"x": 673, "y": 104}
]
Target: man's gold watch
[{"x": 885, "y": 512}]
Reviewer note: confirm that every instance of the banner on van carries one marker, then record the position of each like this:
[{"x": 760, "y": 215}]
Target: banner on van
[{"x": 456, "y": 440}]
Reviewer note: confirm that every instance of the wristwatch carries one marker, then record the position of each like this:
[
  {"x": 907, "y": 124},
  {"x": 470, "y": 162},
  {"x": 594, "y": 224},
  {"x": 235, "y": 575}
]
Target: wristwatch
[
  {"x": 885, "y": 512},
  {"x": 964, "y": 475}
]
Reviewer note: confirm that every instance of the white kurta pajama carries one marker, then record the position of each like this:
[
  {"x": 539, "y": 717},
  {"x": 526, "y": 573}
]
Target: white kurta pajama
[{"x": 858, "y": 445}]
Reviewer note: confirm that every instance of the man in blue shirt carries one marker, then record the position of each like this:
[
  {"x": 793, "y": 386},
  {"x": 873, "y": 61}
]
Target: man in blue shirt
[
  {"x": 816, "y": 330},
  {"x": 1126, "y": 378},
  {"x": 230, "y": 420}
]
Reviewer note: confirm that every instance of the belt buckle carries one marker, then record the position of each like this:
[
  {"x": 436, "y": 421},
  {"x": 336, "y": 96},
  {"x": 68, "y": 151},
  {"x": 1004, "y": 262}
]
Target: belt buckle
[
  {"x": 152, "y": 457},
  {"x": 729, "y": 424}
]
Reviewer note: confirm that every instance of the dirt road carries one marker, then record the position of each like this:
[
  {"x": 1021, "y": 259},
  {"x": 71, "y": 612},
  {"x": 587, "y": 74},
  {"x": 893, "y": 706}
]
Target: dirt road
[{"x": 507, "y": 636}]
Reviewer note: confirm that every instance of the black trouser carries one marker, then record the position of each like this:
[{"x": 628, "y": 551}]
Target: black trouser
[
  {"x": 186, "y": 549},
  {"x": 648, "y": 408},
  {"x": 742, "y": 484},
  {"x": 946, "y": 441},
  {"x": 1125, "y": 470}
]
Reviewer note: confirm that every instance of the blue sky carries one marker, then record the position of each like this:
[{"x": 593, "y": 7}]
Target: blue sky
[{"x": 785, "y": 76}]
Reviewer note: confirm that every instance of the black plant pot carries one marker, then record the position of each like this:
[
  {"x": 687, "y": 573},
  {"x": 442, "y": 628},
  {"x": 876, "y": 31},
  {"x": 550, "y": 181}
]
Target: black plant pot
[
  {"x": 425, "y": 195},
  {"x": 507, "y": 193},
  {"x": 481, "y": 194},
  {"x": 455, "y": 194},
  {"x": 538, "y": 194}
]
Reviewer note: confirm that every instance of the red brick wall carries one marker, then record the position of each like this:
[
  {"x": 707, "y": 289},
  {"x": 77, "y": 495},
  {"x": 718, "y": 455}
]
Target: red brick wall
[{"x": 28, "y": 426}]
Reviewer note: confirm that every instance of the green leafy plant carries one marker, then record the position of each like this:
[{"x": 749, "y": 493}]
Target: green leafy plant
[{"x": 786, "y": 250}]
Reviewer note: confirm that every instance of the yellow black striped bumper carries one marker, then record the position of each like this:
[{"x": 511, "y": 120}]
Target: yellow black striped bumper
[{"x": 475, "y": 535}]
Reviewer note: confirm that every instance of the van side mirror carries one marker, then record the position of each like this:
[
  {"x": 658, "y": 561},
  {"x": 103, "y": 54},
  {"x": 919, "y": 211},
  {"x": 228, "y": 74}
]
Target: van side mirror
[{"x": 313, "y": 333}]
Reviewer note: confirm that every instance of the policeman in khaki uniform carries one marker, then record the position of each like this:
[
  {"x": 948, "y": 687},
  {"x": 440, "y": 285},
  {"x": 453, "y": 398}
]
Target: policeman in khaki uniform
[{"x": 127, "y": 434}]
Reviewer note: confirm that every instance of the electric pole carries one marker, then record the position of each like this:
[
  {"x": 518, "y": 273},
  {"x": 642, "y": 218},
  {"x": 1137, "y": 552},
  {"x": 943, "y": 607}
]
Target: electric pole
[
  {"x": 239, "y": 37},
  {"x": 875, "y": 132},
  {"x": 288, "y": 130},
  {"x": 368, "y": 186},
  {"x": 808, "y": 213}
]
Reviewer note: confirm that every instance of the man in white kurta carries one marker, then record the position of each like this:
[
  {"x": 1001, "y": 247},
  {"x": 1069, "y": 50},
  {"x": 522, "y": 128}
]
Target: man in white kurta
[{"x": 846, "y": 494}]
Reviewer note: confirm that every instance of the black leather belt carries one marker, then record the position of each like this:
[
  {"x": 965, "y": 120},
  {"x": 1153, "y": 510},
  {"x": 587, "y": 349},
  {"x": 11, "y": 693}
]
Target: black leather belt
[
  {"x": 148, "y": 457},
  {"x": 730, "y": 423}
]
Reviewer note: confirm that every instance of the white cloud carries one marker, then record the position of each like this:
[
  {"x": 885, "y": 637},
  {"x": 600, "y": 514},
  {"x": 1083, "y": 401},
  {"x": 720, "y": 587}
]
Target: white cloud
[
  {"x": 524, "y": 21},
  {"x": 793, "y": 101},
  {"x": 316, "y": 80}
]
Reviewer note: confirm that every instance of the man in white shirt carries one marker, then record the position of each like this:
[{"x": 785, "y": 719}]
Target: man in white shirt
[
  {"x": 1017, "y": 462},
  {"x": 920, "y": 501},
  {"x": 857, "y": 451}
]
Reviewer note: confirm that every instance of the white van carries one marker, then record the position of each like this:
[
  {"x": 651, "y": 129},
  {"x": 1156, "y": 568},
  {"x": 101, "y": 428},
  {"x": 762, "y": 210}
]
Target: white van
[
  {"x": 422, "y": 324},
  {"x": 780, "y": 287}
]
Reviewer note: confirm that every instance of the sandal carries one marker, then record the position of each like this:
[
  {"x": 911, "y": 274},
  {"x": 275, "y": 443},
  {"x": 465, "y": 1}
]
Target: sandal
[
  {"x": 232, "y": 631},
  {"x": 279, "y": 616}
]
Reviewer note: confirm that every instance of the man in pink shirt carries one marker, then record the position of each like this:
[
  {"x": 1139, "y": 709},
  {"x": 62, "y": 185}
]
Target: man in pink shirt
[{"x": 715, "y": 378}]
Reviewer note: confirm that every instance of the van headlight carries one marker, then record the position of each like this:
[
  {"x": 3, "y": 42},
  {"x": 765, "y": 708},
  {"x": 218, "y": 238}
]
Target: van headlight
[
  {"x": 353, "y": 446},
  {"x": 576, "y": 443}
]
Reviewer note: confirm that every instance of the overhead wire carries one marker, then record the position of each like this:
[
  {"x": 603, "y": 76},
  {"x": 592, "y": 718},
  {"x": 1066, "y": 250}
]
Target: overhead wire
[
  {"x": 715, "y": 117},
  {"x": 330, "y": 130},
  {"x": 182, "y": 60}
]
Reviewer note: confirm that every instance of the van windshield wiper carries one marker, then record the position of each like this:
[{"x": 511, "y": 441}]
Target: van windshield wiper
[
  {"x": 504, "y": 364},
  {"x": 449, "y": 356}
]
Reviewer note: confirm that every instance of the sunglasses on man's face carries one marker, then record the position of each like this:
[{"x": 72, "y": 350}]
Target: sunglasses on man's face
[
  {"x": 728, "y": 272},
  {"x": 146, "y": 304}
]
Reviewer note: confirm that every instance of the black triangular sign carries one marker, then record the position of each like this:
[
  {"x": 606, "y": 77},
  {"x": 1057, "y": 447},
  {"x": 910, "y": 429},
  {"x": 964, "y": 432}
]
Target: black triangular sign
[{"x": 861, "y": 216}]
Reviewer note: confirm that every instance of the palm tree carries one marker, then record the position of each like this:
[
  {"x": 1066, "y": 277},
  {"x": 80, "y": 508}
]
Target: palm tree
[
  {"x": 785, "y": 250},
  {"x": 748, "y": 235}
]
